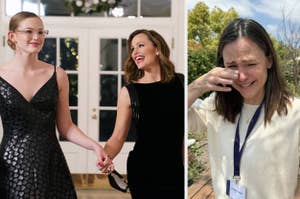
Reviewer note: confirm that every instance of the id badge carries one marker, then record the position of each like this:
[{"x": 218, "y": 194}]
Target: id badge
[{"x": 235, "y": 191}]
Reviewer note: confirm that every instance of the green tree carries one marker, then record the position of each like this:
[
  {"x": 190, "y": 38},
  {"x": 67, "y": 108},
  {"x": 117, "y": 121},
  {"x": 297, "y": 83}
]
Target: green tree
[
  {"x": 204, "y": 30},
  {"x": 205, "y": 27},
  {"x": 198, "y": 23},
  {"x": 219, "y": 19}
]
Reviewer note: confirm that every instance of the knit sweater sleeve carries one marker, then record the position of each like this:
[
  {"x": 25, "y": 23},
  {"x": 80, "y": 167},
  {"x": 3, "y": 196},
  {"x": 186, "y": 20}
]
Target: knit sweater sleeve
[{"x": 198, "y": 114}]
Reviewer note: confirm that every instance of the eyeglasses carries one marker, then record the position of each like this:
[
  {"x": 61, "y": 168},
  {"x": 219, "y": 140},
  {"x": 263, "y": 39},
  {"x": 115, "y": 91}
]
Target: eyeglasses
[{"x": 30, "y": 33}]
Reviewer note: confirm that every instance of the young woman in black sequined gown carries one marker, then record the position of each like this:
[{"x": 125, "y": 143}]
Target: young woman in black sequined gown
[
  {"x": 154, "y": 101},
  {"x": 33, "y": 101}
]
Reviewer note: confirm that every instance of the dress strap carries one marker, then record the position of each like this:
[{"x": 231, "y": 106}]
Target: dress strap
[{"x": 55, "y": 68}]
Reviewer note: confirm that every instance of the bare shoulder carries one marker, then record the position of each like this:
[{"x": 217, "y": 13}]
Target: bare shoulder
[
  {"x": 124, "y": 92},
  {"x": 61, "y": 73},
  {"x": 61, "y": 76},
  {"x": 124, "y": 96}
]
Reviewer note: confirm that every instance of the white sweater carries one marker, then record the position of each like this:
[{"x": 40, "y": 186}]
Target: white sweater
[{"x": 270, "y": 161}]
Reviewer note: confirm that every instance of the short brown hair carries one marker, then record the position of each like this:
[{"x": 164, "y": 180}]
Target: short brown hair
[
  {"x": 132, "y": 73},
  {"x": 15, "y": 22}
]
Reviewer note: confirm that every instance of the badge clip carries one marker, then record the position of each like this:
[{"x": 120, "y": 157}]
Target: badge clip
[{"x": 236, "y": 179}]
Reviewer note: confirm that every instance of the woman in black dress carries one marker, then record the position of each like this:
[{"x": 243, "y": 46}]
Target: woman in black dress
[
  {"x": 33, "y": 100},
  {"x": 153, "y": 100}
]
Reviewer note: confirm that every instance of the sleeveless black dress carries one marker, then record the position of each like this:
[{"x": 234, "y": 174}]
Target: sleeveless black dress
[
  {"x": 155, "y": 166},
  {"x": 32, "y": 164}
]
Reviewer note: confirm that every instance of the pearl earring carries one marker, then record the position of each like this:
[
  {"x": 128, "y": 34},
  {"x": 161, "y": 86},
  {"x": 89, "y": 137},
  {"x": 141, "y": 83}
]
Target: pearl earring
[{"x": 157, "y": 53}]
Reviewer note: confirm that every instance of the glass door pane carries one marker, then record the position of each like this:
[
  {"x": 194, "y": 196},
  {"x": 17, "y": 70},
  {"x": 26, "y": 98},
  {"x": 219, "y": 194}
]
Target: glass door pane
[
  {"x": 112, "y": 58},
  {"x": 14, "y": 6},
  {"x": 156, "y": 8}
]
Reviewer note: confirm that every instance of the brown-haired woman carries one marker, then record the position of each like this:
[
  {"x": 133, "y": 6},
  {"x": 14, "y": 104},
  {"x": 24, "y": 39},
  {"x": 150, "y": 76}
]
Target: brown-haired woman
[
  {"x": 252, "y": 120},
  {"x": 33, "y": 101},
  {"x": 154, "y": 102}
]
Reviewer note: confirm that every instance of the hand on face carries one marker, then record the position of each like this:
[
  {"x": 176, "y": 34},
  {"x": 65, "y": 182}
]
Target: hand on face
[{"x": 218, "y": 79}]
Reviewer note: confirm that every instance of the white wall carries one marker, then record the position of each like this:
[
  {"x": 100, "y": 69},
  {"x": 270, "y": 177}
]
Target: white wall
[{"x": 181, "y": 37}]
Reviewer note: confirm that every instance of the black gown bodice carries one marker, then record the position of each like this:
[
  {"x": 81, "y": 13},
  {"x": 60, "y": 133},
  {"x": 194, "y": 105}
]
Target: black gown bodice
[
  {"x": 156, "y": 159},
  {"x": 32, "y": 164}
]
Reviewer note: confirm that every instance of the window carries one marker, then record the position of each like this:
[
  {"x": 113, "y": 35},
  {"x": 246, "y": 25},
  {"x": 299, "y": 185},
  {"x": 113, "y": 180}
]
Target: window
[{"x": 86, "y": 8}]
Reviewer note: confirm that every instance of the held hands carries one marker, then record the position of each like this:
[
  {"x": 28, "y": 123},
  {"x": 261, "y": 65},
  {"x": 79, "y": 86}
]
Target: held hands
[
  {"x": 107, "y": 166},
  {"x": 104, "y": 162}
]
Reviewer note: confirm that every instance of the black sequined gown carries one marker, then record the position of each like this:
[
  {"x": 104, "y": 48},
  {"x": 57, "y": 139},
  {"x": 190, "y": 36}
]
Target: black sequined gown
[{"x": 32, "y": 164}]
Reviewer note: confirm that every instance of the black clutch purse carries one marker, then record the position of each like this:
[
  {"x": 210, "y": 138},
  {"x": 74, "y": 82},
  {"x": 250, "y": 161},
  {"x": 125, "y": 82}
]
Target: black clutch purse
[{"x": 117, "y": 181}]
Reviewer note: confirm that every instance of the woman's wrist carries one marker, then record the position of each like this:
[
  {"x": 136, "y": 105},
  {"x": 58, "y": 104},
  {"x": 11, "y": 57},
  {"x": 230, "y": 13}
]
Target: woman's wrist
[
  {"x": 197, "y": 87},
  {"x": 97, "y": 148},
  {"x": 195, "y": 90}
]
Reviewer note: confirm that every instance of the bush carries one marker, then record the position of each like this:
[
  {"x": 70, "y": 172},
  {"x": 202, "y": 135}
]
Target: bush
[
  {"x": 195, "y": 166},
  {"x": 200, "y": 62}
]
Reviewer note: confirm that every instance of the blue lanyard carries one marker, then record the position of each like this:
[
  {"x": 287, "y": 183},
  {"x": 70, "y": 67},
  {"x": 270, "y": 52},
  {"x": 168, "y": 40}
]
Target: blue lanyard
[{"x": 237, "y": 153}]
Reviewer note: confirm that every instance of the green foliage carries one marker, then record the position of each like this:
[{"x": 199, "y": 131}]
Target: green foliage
[
  {"x": 200, "y": 62},
  {"x": 206, "y": 27},
  {"x": 79, "y": 7},
  {"x": 287, "y": 65},
  {"x": 198, "y": 22},
  {"x": 219, "y": 19},
  {"x": 204, "y": 30},
  {"x": 195, "y": 166}
]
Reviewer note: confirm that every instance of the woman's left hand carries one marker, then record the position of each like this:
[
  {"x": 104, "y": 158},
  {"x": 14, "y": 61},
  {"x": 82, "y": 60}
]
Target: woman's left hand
[{"x": 104, "y": 162}]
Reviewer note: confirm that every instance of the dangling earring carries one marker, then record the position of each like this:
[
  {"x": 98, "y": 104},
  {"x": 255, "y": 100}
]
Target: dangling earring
[{"x": 157, "y": 53}]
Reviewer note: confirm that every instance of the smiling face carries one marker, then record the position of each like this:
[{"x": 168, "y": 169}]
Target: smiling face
[
  {"x": 29, "y": 36},
  {"x": 143, "y": 52},
  {"x": 252, "y": 64}
]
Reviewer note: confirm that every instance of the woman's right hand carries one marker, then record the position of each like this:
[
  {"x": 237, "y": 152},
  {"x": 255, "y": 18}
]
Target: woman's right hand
[
  {"x": 216, "y": 79},
  {"x": 107, "y": 166}
]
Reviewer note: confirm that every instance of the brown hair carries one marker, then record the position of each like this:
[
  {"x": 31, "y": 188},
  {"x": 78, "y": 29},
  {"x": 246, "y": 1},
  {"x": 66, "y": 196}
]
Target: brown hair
[
  {"x": 277, "y": 95},
  {"x": 15, "y": 22},
  {"x": 132, "y": 73}
]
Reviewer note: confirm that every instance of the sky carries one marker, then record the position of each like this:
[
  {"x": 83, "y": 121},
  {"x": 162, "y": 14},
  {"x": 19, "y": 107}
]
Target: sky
[{"x": 267, "y": 12}]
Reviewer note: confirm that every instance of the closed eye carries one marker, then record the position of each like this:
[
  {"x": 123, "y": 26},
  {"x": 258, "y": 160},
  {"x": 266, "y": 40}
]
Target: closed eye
[{"x": 231, "y": 66}]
